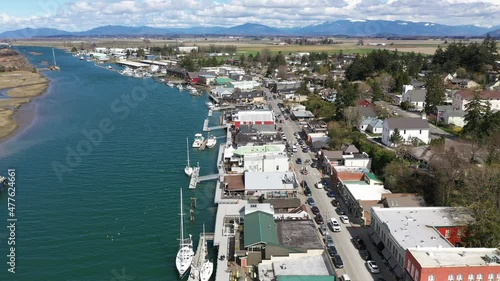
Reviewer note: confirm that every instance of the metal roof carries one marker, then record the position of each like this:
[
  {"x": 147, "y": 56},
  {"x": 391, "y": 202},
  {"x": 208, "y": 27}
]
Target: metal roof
[{"x": 260, "y": 228}]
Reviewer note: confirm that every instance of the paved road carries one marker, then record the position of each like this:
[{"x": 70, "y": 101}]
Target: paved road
[{"x": 354, "y": 265}]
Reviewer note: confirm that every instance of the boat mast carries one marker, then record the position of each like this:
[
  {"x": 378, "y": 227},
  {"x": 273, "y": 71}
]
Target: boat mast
[
  {"x": 54, "y": 57},
  {"x": 182, "y": 221},
  {"x": 187, "y": 149}
]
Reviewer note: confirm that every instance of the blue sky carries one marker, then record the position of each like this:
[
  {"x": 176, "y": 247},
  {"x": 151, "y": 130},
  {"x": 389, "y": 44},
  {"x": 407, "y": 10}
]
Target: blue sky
[{"x": 79, "y": 15}]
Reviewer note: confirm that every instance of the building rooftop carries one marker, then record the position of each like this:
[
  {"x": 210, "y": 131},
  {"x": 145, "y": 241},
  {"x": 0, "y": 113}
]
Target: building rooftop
[
  {"x": 407, "y": 123},
  {"x": 269, "y": 181},
  {"x": 262, "y": 207},
  {"x": 306, "y": 277},
  {"x": 234, "y": 182},
  {"x": 485, "y": 94},
  {"x": 454, "y": 257},
  {"x": 366, "y": 192},
  {"x": 300, "y": 266},
  {"x": 260, "y": 228},
  {"x": 244, "y": 150},
  {"x": 393, "y": 200},
  {"x": 415, "y": 226},
  {"x": 417, "y": 95},
  {"x": 332, "y": 155},
  {"x": 285, "y": 203},
  {"x": 303, "y": 114},
  {"x": 300, "y": 234}
]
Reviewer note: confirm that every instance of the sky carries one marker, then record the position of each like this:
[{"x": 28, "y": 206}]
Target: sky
[{"x": 80, "y": 15}]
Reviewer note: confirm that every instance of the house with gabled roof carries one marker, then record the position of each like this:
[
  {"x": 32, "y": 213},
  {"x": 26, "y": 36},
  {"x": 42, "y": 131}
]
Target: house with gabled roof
[
  {"x": 463, "y": 97},
  {"x": 409, "y": 129},
  {"x": 415, "y": 97}
]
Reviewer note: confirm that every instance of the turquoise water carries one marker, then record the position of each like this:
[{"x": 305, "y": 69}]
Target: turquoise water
[{"x": 98, "y": 176}]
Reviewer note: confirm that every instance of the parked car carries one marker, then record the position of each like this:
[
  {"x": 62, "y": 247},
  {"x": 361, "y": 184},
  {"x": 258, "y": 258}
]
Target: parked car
[
  {"x": 310, "y": 201},
  {"x": 335, "y": 203},
  {"x": 307, "y": 191},
  {"x": 365, "y": 255},
  {"x": 340, "y": 211},
  {"x": 318, "y": 185},
  {"x": 323, "y": 230},
  {"x": 335, "y": 225},
  {"x": 319, "y": 219},
  {"x": 305, "y": 150},
  {"x": 315, "y": 210},
  {"x": 314, "y": 164},
  {"x": 344, "y": 218},
  {"x": 359, "y": 243},
  {"x": 324, "y": 182},
  {"x": 337, "y": 261},
  {"x": 304, "y": 171},
  {"x": 331, "y": 251},
  {"x": 331, "y": 194},
  {"x": 372, "y": 267},
  {"x": 298, "y": 161},
  {"x": 329, "y": 241}
]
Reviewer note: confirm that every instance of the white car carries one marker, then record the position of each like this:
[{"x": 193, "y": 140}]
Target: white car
[
  {"x": 344, "y": 219},
  {"x": 319, "y": 185},
  {"x": 372, "y": 266},
  {"x": 335, "y": 225}
]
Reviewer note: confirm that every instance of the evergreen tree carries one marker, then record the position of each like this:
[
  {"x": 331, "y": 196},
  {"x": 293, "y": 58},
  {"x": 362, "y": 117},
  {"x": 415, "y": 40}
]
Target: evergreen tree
[
  {"x": 396, "y": 137},
  {"x": 377, "y": 93},
  {"x": 435, "y": 93},
  {"x": 474, "y": 117}
]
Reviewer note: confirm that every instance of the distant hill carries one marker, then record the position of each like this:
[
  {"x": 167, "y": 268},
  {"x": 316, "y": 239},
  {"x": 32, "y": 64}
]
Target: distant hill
[
  {"x": 329, "y": 28},
  {"x": 495, "y": 33}
]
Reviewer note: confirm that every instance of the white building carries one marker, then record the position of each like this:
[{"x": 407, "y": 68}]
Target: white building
[
  {"x": 462, "y": 98},
  {"x": 265, "y": 117},
  {"x": 410, "y": 227},
  {"x": 409, "y": 129},
  {"x": 455, "y": 117},
  {"x": 266, "y": 163},
  {"x": 415, "y": 97},
  {"x": 244, "y": 85},
  {"x": 271, "y": 185},
  {"x": 187, "y": 49}
]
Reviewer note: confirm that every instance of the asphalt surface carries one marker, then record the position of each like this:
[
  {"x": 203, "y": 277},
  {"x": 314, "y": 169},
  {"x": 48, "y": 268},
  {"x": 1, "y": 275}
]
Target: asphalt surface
[{"x": 354, "y": 265}]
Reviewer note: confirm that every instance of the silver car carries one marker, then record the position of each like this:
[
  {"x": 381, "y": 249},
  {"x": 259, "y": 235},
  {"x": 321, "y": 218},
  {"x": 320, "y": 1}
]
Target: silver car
[{"x": 373, "y": 267}]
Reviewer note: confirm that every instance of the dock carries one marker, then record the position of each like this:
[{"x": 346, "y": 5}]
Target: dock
[
  {"x": 194, "y": 178},
  {"x": 210, "y": 112},
  {"x": 200, "y": 256}
]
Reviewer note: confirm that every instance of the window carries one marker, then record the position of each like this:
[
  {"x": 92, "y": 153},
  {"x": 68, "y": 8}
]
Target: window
[
  {"x": 460, "y": 277},
  {"x": 471, "y": 277},
  {"x": 479, "y": 277},
  {"x": 498, "y": 276},
  {"x": 447, "y": 233},
  {"x": 451, "y": 277},
  {"x": 412, "y": 270},
  {"x": 404, "y": 131},
  {"x": 416, "y": 274},
  {"x": 430, "y": 278},
  {"x": 407, "y": 265},
  {"x": 420, "y": 132},
  {"x": 491, "y": 277}
]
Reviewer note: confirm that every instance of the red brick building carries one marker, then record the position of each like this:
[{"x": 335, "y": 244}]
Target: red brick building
[
  {"x": 452, "y": 264},
  {"x": 452, "y": 234}
]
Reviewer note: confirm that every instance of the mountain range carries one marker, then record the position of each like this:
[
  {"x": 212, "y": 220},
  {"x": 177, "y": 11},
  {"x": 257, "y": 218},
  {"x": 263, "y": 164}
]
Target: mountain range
[{"x": 340, "y": 27}]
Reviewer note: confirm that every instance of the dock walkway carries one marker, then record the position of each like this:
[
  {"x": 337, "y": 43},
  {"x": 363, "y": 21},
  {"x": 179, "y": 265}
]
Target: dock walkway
[{"x": 194, "y": 178}]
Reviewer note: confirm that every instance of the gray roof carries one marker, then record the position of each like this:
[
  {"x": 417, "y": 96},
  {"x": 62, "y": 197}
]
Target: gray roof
[
  {"x": 455, "y": 113},
  {"x": 417, "y": 95},
  {"x": 303, "y": 114},
  {"x": 349, "y": 148},
  {"x": 407, "y": 123},
  {"x": 442, "y": 108},
  {"x": 416, "y": 83},
  {"x": 367, "y": 111},
  {"x": 376, "y": 123}
]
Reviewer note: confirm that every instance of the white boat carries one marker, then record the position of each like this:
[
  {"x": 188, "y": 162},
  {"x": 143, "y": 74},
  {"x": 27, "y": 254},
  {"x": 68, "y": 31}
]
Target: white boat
[
  {"x": 180, "y": 87},
  {"x": 211, "y": 141},
  {"x": 209, "y": 104},
  {"x": 185, "y": 254},
  {"x": 188, "y": 170},
  {"x": 170, "y": 84},
  {"x": 82, "y": 58},
  {"x": 206, "y": 270},
  {"x": 110, "y": 67},
  {"x": 198, "y": 140},
  {"x": 207, "y": 267}
]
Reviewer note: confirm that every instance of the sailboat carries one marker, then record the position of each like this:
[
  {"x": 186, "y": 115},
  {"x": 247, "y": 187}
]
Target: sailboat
[
  {"x": 54, "y": 67},
  {"x": 188, "y": 170},
  {"x": 185, "y": 254},
  {"x": 207, "y": 267}
]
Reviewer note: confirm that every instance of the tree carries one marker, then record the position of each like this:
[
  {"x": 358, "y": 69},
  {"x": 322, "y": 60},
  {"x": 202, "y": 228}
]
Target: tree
[
  {"x": 74, "y": 49},
  {"x": 377, "y": 93},
  {"x": 386, "y": 82},
  {"x": 396, "y": 137},
  {"x": 303, "y": 89},
  {"x": 461, "y": 72},
  {"x": 474, "y": 117},
  {"x": 187, "y": 63},
  {"x": 435, "y": 93}
]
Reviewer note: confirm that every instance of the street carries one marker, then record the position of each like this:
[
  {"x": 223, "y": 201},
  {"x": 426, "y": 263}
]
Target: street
[{"x": 354, "y": 265}]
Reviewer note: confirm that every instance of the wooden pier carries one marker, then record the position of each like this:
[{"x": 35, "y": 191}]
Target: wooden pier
[{"x": 194, "y": 177}]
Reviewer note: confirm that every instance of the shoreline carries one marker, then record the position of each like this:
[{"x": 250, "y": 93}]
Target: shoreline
[{"x": 23, "y": 87}]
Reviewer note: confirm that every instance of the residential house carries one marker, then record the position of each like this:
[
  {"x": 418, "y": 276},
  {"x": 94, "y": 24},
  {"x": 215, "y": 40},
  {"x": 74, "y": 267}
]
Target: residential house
[
  {"x": 463, "y": 97},
  {"x": 376, "y": 126},
  {"x": 363, "y": 124},
  {"x": 415, "y": 97},
  {"x": 463, "y": 83},
  {"x": 455, "y": 117},
  {"x": 409, "y": 129}
]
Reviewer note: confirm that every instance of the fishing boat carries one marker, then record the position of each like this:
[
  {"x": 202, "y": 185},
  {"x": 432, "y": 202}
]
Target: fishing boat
[
  {"x": 211, "y": 141},
  {"x": 207, "y": 268},
  {"x": 188, "y": 170},
  {"x": 185, "y": 254},
  {"x": 198, "y": 140}
]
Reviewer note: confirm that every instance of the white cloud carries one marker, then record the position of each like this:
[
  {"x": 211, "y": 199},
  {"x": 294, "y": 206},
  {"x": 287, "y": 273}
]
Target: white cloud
[{"x": 86, "y": 14}]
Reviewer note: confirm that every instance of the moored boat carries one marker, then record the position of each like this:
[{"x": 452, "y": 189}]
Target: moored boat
[
  {"x": 211, "y": 141},
  {"x": 188, "y": 170},
  {"x": 198, "y": 140},
  {"x": 209, "y": 104},
  {"x": 185, "y": 254}
]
